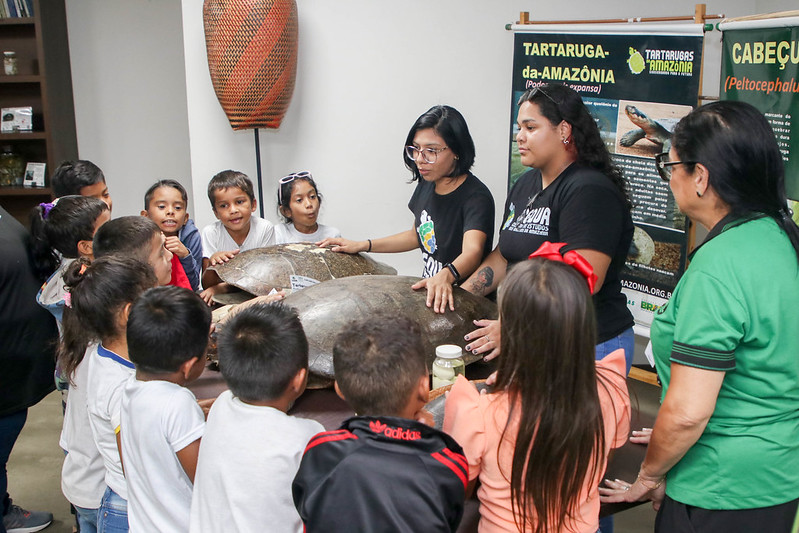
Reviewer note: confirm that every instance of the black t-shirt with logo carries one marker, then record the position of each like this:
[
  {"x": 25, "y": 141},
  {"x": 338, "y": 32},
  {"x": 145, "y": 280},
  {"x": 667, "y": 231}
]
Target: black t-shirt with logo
[
  {"x": 584, "y": 209},
  {"x": 441, "y": 220}
]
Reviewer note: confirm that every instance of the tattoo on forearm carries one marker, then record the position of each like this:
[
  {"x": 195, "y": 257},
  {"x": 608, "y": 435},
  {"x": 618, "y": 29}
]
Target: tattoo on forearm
[{"x": 483, "y": 281}]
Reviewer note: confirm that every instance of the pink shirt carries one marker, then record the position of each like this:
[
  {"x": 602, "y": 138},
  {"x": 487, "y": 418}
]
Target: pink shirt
[{"x": 477, "y": 420}]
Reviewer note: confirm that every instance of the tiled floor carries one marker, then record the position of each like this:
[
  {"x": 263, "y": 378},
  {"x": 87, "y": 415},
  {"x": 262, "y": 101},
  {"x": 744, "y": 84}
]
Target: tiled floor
[{"x": 35, "y": 471}]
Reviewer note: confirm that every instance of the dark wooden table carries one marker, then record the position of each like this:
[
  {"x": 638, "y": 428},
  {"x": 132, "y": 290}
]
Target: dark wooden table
[{"x": 324, "y": 406}]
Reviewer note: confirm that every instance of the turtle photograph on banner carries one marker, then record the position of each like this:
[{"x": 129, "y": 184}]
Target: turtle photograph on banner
[
  {"x": 637, "y": 86},
  {"x": 760, "y": 66}
]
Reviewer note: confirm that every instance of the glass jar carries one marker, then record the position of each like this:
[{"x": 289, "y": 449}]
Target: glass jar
[
  {"x": 12, "y": 167},
  {"x": 448, "y": 365},
  {"x": 10, "y": 63}
]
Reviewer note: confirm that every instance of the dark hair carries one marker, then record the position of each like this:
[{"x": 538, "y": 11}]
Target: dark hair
[
  {"x": 285, "y": 190},
  {"x": 261, "y": 348},
  {"x": 225, "y": 180},
  {"x": 167, "y": 326},
  {"x": 558, "y": 103},
  {"x": 450, "y": 125},
  {"x": 377, "y": 362},
  {"x": 547, "y": 368},
  {"x": 59, "y": 226},
  {"x": 98, "y": 292},
  {"x": 164, "y": 183},
  {"x": 734, "y": 141},
  {"x": 131, "y": 236},
  {"x": 71, "y": 176}
]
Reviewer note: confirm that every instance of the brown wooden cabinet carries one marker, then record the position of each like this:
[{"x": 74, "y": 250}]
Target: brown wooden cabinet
[{"x": 44, "y": 82}]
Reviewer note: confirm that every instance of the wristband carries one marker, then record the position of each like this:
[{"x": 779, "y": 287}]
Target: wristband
[
  {"x": 370, "y": 245},
  {"x": 454, "y": 271}
]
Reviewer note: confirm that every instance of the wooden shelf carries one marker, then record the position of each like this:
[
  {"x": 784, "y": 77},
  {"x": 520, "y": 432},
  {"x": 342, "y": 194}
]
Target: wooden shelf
[
  {"x": 44, "y": 82},
  {"x": 23, "y": 136},
  {"x": 30, "y": 78},
  {"x": 17, "y": 21},
  {"x": 26, "y": 191}
]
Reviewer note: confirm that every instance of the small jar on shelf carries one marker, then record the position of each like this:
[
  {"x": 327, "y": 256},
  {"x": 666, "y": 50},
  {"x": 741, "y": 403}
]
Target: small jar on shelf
[
  {"x": 12, "y": 167},
  {"x": 10, "y": 66}
]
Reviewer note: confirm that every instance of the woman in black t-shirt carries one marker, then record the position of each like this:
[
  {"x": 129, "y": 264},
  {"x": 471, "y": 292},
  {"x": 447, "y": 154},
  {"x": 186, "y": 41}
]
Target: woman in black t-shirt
[
  {"x": 573, "y": 194},
  {"x": 453, "y": 211}
]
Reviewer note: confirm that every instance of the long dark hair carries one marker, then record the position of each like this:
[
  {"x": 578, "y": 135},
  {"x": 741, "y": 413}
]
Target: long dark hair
[
  {"x": 557, "y": 103},
  {"x": 450, "y": 125},
  {"x": 97, "y": 293},
  {"x": 735, "y": 143},
  {"x": 59, "y": 226},
  {"x": 547, "y": 368}
]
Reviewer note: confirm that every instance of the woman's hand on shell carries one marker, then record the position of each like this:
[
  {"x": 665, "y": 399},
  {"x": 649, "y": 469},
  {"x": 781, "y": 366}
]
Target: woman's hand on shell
[
  {"x": 485, "y": 340},
  {"x": 339, "y": 244},
  {"x": 439, "y": 291}
]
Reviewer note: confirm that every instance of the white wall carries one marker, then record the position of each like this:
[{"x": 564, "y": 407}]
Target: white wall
[
  {"x": 361, "y": 83},
  {"x": 130, "y": 93}
]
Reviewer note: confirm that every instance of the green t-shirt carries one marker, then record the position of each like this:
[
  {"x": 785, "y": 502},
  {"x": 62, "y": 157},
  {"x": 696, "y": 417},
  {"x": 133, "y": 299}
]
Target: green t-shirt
[{"x": 736, "y": 310}]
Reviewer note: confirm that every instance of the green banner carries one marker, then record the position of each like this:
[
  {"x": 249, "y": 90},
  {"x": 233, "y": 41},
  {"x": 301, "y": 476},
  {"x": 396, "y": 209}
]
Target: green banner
[{"x": 761, "y": 67}]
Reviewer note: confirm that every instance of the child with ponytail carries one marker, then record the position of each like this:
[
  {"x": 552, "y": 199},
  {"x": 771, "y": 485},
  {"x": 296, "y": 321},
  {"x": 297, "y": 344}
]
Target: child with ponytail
[
  {"x": 93, "y": 354},
  {"x": 539, "y": 442},
  {"x": 62, "y": 232}
]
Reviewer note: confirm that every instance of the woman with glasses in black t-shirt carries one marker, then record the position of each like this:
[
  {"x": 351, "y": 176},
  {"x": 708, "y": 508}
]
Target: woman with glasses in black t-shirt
[{"x": 453, "y": 211}]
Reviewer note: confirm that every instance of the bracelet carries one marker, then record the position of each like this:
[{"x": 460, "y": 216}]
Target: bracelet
[
  {"x": 370, "y": 245},
  {"x": 649, "y": 487},
  {"x": 454, "y": 272}
]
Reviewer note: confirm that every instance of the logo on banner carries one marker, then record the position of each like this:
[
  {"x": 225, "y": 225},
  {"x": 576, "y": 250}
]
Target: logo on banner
[{"x": 636, "y": 61}]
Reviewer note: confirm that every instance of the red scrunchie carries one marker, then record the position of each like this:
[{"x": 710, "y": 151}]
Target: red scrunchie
[{"x": 551, "y": 250}]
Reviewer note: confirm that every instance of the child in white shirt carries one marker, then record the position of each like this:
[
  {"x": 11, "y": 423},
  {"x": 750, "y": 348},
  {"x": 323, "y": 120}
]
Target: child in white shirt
[
  {"x": 236, "y": 229},
  {"x": 298, "y": 202},
  {"x": 161, "y": 422},
  {"x": 252, "y": 449},
  {"x": 99, "y": 296}
]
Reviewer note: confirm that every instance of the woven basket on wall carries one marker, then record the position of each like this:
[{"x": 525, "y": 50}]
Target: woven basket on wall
[{"x": 252, "y": 56}]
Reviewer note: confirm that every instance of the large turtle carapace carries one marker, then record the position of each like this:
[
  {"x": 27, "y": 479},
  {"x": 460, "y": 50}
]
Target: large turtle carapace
[
  {"x": 260, "y": 270},
  {"x": 325, "y": 309}
]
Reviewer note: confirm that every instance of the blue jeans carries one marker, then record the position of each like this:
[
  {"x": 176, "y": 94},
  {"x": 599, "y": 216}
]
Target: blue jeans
[
  {"x": 112, "y": 516},
  {"x": 10, "y": 428},
  {"x": 87, "y": 519},
  {"x": 625, "y": 340}
]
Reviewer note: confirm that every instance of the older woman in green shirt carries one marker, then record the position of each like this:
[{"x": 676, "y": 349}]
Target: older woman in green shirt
[{"x": 724, "y": 451}]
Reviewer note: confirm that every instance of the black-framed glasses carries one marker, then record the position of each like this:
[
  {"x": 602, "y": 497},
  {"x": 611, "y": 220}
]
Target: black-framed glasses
[
  {"x": 430, "y": 155},
  {"x": 288, "y": 179},
  {"x": 664, "y": 165}
]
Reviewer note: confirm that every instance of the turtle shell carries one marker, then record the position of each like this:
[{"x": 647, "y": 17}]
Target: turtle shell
[
  {"x": 325, "y": 309},
  {"x": 260, "y": 270}
]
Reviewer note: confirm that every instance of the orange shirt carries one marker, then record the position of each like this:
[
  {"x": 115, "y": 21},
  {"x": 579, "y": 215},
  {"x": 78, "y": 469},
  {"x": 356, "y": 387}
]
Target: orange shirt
[{"x": 477, "y": 420}]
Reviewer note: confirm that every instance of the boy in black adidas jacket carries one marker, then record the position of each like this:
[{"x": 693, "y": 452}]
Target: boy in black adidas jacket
[{"x": 383, "y": 470}]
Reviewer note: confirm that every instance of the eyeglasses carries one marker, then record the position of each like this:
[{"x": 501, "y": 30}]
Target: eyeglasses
[
  {"x": 429, "y": 155},
  {"x": 664, "y": 165},
  {"x": 288, "y": 179}
]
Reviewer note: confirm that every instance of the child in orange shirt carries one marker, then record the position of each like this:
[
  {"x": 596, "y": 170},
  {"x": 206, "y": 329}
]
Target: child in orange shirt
[{"x": 539, "y": 443}]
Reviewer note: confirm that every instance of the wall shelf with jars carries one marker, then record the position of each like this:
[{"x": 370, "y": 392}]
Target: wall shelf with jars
[{"x": 36, "y": 73}]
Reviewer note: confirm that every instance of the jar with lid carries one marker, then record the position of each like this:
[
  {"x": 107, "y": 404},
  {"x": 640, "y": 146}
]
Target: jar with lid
[
  {"x": 448, "y": 365},
  {"x": 10, "y": 63},
  {"x": 12, "y": 167}
]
